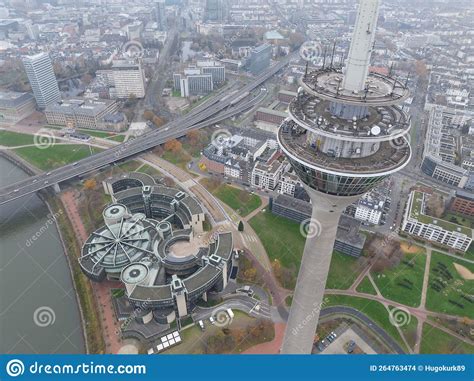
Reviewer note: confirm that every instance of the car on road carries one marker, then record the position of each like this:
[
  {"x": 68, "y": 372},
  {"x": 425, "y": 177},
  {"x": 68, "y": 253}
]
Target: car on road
[
  {"x": 48, "y": 173},
  {"x": 16, "y": 190},
  {"x": 46, "y": 182}
]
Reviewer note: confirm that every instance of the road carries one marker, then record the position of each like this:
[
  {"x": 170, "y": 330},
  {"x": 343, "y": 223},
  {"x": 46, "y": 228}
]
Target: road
[
  {"x": 209, "y": 112},
  {"x": 376, "y": 330}
]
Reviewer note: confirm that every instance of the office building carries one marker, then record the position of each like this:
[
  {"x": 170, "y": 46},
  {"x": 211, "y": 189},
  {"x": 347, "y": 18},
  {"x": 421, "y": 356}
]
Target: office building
[
  {"x": 39, "y": 70},
  {"x": 86, "y": 113},
  {"x": 463, "y": 203},
  {"x": 445, "y": 233},
  {"x": 128, "y": 79},
  {"x": 151, "y": 243},
  {"x": 259, "y": 59},
  {"x": 216, "y": 10},
  {"x": 15, "y": 106},
  {"x": 159, "y": 14}
]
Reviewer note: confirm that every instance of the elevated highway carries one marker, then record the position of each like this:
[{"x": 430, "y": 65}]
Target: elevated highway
[{"x": 211, "y": 111}]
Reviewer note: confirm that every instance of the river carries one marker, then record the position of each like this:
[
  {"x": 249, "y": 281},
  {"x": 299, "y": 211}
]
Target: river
[{"x": 38, "y": 306}]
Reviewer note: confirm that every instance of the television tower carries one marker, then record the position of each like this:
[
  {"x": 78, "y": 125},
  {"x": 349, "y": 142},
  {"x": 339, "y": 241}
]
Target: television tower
[{"x": 344, "y": 135}]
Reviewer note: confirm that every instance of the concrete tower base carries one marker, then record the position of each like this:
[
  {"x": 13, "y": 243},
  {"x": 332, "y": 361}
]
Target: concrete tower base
[{"x": 313, "y": 273}]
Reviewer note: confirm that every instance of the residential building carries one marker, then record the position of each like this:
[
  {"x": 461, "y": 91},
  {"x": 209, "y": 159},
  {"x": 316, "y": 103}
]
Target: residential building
[
  {"x": 369, "y": 211},
  {"x": 39, "y": 69},
  {"x": 417, "y": 223},
  {"x": 15, "y": 106},
  {"x": 463, "y": 203},
  {"x": 267, "y": 175}
]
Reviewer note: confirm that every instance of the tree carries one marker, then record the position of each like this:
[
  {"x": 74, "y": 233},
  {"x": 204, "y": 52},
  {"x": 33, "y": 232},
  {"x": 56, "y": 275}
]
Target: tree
[
  {"x": 90, "y": 184},
  {"x": 193, "y": 136},
  {"x": 173, "y": 146},
  {"x": 241, "y": 227},
  {"x": 148, "y": 114},
  {"x": 157, "y": 121}
]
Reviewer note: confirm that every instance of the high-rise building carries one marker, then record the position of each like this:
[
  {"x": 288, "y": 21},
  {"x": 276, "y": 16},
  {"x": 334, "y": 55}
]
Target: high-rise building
[
  {"x": 39, "y": 70},
  {"x": 344, "y": 135},
  {"x": 259, "y": 59},
  {"x": 159, "y": 14},
  {"x": 216, "y": 10}
]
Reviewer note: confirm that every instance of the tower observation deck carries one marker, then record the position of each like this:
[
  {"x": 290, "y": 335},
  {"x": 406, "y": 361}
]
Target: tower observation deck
[{"x": 345, "y": 133}]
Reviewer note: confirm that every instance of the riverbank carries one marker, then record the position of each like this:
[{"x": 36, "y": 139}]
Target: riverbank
[{"x": 85, "y": 301}]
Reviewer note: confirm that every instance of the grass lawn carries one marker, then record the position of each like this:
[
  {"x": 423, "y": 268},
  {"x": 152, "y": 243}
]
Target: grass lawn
[
  {"x": 97, "y": 134},
  {"x": 13, "y": 139},
  {"x": 241, "y": 201},
  {"x": 451, "y": 287},
  {"x": 129, "y": 165},
  {"x": 409, "y": 329},
  {"x": 366, "y": 287},
  {"x": 459, "y": 219},
  {"x": 56, "y": 155},
  {"x": 343, "y": 271},
  {"x": 435, "y": 341},
  {"x": 179, "y": 159},
  {"x": 373, "y": 309},
  {"x": 117, "y": 138},
  {"x": 281, "y": 238},
  {"x": 404, "y": 282},
  {"x": 149, "y": 170}
]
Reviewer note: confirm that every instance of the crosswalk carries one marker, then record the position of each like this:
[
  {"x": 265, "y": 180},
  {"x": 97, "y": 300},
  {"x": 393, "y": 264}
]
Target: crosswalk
[{"x": 248, "y": 238}]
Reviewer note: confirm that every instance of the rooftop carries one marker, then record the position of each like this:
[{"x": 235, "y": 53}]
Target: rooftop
[
  {"x": 382, "y": 121},
  {"x": 417, "y": 212},
  {"x": 387, "y": 158},
  {"x": 381, "y": 90}
]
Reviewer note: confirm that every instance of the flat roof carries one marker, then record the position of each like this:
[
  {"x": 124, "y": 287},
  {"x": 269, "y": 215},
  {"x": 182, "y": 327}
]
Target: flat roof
[{"x": 417, "y": 213}]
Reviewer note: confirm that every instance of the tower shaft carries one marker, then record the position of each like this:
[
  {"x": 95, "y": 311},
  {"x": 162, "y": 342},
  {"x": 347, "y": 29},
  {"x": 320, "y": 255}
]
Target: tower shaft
[
  {"x": 361, "y": 46},
  {"x": 309, "y": 291}
]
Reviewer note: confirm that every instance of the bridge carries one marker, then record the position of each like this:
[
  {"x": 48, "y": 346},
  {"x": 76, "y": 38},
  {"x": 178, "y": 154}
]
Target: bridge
[{"x": 222, "y": 106}]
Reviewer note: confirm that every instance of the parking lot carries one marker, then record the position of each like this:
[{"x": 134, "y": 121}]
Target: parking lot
[{"x": 339, "y": 345}]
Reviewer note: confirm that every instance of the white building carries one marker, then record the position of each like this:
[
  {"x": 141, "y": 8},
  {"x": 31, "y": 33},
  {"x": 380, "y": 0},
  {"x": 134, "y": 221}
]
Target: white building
[
  {"x": 39, "y": 70},
  {"x": 445, "y": 233},
  {"x": 288, "y": 183},
  {"x": 368, "y": 211},
  {"x": 128, "y": 78},
  {"x": 266, "y": 176}
]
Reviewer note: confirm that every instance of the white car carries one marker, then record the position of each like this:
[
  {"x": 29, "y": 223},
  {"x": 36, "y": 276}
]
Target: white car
[{"x": 211, "y": 319}]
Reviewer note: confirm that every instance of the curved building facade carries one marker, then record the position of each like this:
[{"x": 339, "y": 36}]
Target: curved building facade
[{"x": 152, "y": 241}]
